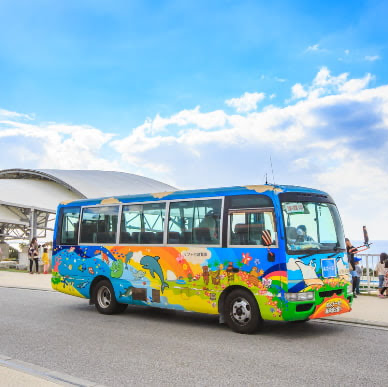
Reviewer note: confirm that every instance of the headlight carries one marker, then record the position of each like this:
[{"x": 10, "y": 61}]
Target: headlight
[{"x": 305, "y": 296}]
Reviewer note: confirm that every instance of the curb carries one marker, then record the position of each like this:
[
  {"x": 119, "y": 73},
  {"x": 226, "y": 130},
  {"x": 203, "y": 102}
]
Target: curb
[{"x": 44, "y": 373}]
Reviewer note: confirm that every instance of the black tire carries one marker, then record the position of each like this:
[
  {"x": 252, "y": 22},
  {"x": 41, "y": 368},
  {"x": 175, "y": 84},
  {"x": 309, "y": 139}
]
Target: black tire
[
  {"x": 241, "y": 312},
  {"x": 105, "y": 299},
  {"x": 301, "y": 321}
]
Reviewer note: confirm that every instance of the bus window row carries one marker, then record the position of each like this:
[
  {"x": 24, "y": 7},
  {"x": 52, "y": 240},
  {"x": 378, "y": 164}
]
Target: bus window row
[{"x": 196, "y": 222}]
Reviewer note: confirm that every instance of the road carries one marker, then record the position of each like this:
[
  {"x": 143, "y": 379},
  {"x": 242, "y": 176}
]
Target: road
[{"x": 154, "y": 347}]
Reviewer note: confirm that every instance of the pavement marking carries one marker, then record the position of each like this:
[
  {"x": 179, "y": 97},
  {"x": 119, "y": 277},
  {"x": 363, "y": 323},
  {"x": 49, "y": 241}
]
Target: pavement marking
[
  {"x": 44, "y": 373},
  {"x": 353, "y": 324}
]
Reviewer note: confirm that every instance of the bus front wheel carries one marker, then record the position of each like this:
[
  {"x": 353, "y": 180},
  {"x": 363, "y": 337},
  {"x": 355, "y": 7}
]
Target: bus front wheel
[
  {"x": 241, "y": 311},
  {"x": 105, "y": 299}
]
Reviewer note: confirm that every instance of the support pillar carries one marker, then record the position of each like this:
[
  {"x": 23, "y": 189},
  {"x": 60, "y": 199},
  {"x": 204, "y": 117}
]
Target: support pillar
[{"x": 33, "y": 224}]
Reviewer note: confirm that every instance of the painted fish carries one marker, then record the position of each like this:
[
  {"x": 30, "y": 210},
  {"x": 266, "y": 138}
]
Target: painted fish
[
  {"x": 91, "y": 271},
  {"x": 105, "y": 258},
  {"x": 127, "y": 292},
  {"x": 137, "y": 274},
  {"x": 152, "y": 264},
  {"x": 82, "y": 267}
]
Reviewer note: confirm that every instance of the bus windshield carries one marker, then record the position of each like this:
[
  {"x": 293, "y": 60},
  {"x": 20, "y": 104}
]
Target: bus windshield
[{"x": 312, "y": 226}]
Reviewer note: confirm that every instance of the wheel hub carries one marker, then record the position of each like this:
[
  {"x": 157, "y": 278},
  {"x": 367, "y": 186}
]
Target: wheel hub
[
  {"x": 241, "y": 311},
  {"x": 104, "y": 297}
]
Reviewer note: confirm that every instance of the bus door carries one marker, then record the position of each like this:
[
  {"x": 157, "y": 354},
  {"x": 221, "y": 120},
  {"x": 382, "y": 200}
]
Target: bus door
[{"x": 253, "y": 232}]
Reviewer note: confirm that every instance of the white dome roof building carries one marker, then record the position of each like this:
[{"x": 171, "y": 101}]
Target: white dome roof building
[{"x": 29, "y": 197}]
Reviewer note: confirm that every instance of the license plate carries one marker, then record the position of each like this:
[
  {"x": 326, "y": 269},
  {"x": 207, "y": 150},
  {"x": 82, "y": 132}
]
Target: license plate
[{"x": 333, "y": 309}]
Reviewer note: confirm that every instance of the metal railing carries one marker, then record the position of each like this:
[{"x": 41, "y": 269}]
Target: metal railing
[{"x": 369, "y": 280}]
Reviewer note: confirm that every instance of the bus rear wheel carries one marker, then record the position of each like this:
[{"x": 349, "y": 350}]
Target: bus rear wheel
[
  {"x": 105, "y": 299},
  {"x": 241, "y": 312}
]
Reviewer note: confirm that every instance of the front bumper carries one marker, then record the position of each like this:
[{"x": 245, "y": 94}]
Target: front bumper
[{"x": 326, "y": 303}]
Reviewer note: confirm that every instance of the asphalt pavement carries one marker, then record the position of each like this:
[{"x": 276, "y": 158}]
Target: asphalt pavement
[{"x": 51, "y": 338}]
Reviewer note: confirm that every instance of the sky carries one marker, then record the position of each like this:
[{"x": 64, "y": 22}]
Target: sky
[{"x": 203, "y": 94}]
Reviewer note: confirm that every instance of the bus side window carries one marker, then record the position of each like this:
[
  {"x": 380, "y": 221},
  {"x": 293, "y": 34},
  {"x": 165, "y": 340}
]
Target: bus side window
[
  {"x": 180, "y": 224},
  {"x": 69, "y": 226},
  {"x": 152, "y": 223},
  {"x": 246, "y": 228},
  {"x": 131, "y": 224},
  {"x": 195, "y": 222},
  {"x": 99, "y": 224},
  {"x": 143, "y": 223}
]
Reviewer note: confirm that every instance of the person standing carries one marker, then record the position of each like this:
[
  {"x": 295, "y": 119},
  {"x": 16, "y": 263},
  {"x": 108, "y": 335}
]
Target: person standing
[
  {"x": 358, "y": 274},
  {"x": 351, "y": 250},
  {"x": 45, "y": 258},
  {"x": 33, "y": 255},
  {"x": 385, "y": 282},
  {"x": 379, "y": 269}
]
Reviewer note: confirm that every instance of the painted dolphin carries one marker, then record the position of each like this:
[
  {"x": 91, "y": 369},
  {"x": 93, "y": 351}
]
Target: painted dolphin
[{"x": 152, "y": 264}]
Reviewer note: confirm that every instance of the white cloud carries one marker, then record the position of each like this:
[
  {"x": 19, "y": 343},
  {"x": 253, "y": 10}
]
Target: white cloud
[
  {"x": 57, "y": 145},
  {"x": 355, "y": 85},
  {"x": 210, "y": 120},
  {"x": 301, "y": 163},
  {"x": 325, "y": 84},
  {"x": 314, "y": 47},
  {"x": 324, "y": 78},
  {"x": 298, "y": 91},
  {"x": 247, "y": 102},
  {"x": 347, "y": 52},
  {"x": 359, "y": 186},
  {"x": 307, "y": 140},
  {"x": 372, "y": 58},
  {"x": 12, "y": 115},
  {"x": 334, "y": 137}
]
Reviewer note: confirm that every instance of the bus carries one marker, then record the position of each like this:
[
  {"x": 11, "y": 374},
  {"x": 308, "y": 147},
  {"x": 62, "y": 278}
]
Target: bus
[{"x": 246, "y": 253}]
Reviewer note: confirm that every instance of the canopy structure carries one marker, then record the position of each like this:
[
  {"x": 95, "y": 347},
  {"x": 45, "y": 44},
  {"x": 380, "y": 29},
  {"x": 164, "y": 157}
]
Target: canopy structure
[{"x": 29, "y": 197}]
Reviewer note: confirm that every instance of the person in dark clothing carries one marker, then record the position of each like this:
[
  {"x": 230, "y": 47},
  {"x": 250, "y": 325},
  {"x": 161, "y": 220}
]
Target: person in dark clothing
[
  {"x": 33, "y": 255},
  {"x": 351, "y": 250}
]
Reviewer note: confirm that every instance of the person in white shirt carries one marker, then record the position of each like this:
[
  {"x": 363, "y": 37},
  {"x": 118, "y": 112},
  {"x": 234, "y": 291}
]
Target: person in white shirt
[
  {"x": 380, "y": 269},
  {"x": 385, "y": 282}
]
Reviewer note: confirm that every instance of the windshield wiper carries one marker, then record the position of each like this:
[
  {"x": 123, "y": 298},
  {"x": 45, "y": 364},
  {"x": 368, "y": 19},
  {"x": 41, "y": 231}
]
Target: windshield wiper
[{"x": 310, "y": 254}]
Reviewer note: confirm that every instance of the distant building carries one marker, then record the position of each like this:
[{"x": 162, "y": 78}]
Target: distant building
[{"x": 29, "y": 197}]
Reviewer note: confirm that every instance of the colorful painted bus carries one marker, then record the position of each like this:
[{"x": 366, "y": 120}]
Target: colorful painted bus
[{"x": 247, "y": 254}]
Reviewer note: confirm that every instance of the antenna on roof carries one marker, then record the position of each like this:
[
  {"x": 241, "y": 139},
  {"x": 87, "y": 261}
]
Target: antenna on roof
[
  {"x": 273, "y": 176},
  {"x": 266, "y": 179}
]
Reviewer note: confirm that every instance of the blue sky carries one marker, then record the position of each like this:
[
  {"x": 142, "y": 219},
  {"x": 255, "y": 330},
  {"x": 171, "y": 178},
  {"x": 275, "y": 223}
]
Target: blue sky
[
  {"x": 111, "y": 64},
  {"x": 202, "y": 93}
]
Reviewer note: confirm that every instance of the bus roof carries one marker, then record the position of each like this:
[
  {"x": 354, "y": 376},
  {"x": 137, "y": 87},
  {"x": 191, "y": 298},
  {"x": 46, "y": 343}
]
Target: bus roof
[{"x": 268, "y": 190}]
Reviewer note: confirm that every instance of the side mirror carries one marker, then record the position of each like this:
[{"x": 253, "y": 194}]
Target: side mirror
[{"x": 266, "y": 237}]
